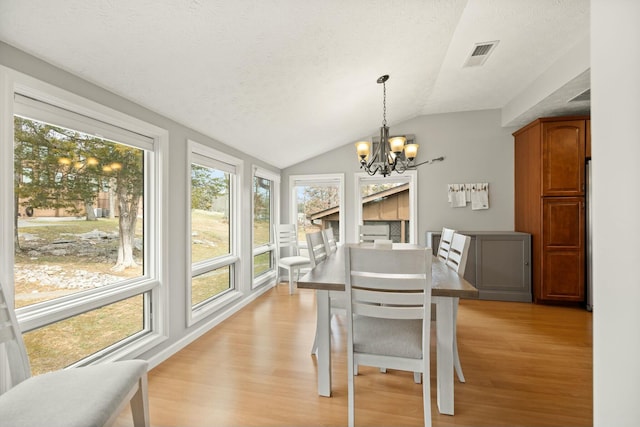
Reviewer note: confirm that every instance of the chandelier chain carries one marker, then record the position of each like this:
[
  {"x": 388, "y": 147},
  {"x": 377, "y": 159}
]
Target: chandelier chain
[{"x": 384, "y": 104}]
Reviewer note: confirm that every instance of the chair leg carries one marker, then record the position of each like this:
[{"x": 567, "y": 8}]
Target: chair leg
[
  {"x": 351, "y": 416},
  {"x": 426, "y": 400},
  {"x": 291, "y": 288},
  {"x": 417, "y": 377},
  {"x": 140, "y": 404},
  {"x": 456, "y": 356},
  {"x": 314, "y": 348}
]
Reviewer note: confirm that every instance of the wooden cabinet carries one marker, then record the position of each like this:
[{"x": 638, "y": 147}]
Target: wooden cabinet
[
  {"x": 550, "y": 158},
  {"x": 498, "y": 264}
]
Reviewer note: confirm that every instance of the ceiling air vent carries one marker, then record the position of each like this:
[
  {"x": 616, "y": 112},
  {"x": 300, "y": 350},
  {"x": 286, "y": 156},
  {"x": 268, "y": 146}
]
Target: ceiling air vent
[
  {"x": 584, "y": 96},
  {"x": 480, "y": 53}
]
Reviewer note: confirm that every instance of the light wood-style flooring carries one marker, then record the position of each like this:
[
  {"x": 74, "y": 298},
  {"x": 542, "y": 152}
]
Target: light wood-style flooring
[{"x": 525, "y": 365}]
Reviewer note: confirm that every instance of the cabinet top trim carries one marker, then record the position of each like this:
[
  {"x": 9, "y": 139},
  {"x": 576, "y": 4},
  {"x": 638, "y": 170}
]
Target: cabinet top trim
[{"x": 551, "y": 119}]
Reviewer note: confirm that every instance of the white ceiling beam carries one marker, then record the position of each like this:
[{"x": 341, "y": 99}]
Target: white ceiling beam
[{"x": 576, "y": 61}]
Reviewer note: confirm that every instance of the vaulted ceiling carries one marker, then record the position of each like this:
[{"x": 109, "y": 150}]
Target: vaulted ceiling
[{"x": 285, "y": 80}]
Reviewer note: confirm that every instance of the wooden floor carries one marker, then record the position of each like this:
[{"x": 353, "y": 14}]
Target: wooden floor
[{"x": 525, "y": 365}]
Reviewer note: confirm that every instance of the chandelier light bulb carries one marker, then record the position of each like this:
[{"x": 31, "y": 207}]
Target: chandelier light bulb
[
  {"x": 363, "y": 148},
  {"x": 396, "y": 143}
]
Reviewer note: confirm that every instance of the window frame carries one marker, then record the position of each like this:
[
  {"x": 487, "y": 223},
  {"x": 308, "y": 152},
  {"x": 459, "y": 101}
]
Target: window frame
[
  {"x": 234, "y": 165},
  {"x": 268, "y": 276},
  {"x": 410, "y": 176},
  {"x": 94, "y": 118}
]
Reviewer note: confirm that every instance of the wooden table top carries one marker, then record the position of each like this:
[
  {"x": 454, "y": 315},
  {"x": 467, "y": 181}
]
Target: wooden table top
[{"x": 330, "y": 275}]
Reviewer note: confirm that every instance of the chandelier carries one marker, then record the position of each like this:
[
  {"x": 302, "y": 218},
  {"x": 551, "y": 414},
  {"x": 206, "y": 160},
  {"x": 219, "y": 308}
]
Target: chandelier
[
  {"x": 390, "y": 153},
  {"x": 395, "y": 153}
]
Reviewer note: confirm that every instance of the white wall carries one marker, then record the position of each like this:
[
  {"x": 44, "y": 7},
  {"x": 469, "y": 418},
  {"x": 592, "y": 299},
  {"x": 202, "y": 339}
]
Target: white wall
[
  {"x": 476, "y": 149},
  {"x": 615, "y": 113}
]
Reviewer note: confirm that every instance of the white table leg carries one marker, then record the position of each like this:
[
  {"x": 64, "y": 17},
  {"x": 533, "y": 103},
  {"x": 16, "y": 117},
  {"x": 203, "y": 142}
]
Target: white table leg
[
  {"x": 444, "y": 353},
  {"x": 324, "y": 342}
]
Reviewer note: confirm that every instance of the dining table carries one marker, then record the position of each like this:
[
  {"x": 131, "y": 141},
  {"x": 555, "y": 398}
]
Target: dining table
[{"x": 329, "y": 276}]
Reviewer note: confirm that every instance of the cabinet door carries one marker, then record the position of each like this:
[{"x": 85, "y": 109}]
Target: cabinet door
[
  {"x": 563, "y": 158},
  {"x": 563, "y": 255},
  {"x": 503, "y": 267}
]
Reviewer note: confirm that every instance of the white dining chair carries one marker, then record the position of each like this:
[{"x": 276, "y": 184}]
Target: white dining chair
[
  {"x": 317, "y": 247},
  {"x": 288, "y": 253},
  {"x": 317, "y": 244},
  {"x": 457, "y": 261},
  {"x": 73, "y": 397},
  {"x": 330, "y": 240},
  {"x": 388, "y": 294},
  {"x": 370, "y": 233},
  {"x": 445, "y": 243}
]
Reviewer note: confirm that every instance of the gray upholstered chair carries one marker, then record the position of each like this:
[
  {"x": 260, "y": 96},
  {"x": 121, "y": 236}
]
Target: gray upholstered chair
[
  {"x": 91, "y": 396},
  {"x": 388, "y": 314}
]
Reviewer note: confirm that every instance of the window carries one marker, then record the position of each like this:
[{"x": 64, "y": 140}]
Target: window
[
  {"x": 214, "y": 220},
  {"x": 265, "y": 201},
  {"x": 85, "y": 269},
  {"x": 316, "y": 203},
  {"x": 391, "y": 200}
]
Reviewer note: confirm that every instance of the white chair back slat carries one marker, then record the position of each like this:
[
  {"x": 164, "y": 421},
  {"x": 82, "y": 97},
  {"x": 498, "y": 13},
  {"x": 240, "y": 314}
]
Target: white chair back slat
[
  {"x": 370, "y": 233},
  {"x": 382, "y": 282},
  {"x": 286, "y": 240},
  {"x": 445, "y": 243},
  {"x": 388, "y": 312},
  {"x": 316, "y": 247},
  {"x": 330, "y": 240},
  {"x": 366, "y": 296},
  {"x": 458, "y": 252}
]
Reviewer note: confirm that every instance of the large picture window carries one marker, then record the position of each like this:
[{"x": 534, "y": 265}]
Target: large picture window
[
  {"x": 84, "y": 205},
  {"x": 214, "y": 218}
]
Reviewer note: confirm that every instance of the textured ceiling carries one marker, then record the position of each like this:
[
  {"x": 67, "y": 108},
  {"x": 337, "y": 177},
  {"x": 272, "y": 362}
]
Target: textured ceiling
[{"x": 285, "y": 80}]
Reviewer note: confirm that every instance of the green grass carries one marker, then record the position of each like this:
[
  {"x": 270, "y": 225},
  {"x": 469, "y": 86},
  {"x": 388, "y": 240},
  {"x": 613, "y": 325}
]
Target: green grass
[
  {"x": 211, "y": 229},
  {"x": 261, "y": 264},
  {"x": 63, "y": 343}
]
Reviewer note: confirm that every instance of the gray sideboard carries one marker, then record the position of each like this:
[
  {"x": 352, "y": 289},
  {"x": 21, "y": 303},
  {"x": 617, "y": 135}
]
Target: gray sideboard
[{"x": 499, "y": 263}]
